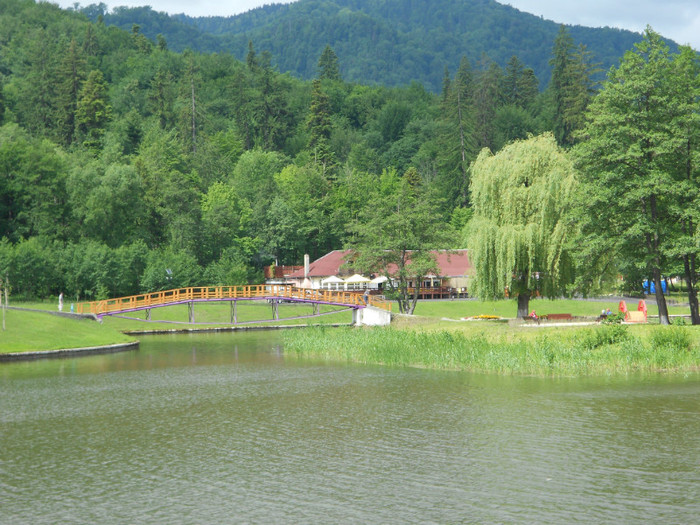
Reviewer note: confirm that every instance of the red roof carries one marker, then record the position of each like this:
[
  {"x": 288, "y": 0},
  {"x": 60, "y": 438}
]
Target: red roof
[{"x": 453, "y": 263}]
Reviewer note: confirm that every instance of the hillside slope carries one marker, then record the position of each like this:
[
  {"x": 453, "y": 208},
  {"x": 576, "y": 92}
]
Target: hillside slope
[{"x": 390, "y": 42}]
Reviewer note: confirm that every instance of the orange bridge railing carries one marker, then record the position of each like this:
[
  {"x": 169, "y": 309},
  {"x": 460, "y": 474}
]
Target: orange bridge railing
[{"x": 224, "y": 293}]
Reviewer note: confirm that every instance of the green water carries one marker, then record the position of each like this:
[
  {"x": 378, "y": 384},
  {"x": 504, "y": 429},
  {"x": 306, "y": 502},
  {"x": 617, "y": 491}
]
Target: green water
[{"x": 223, "y": 428}]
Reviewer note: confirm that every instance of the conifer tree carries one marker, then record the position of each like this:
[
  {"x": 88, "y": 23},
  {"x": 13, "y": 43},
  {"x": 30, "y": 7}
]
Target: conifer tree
[
  {"x": 319, "y": 125},
  {"x": 328, "y": 67},
  {"x": 71, "y": 74},
  {"x": 93, "y": 109},
  {"x": 487, "y": 99},
  {"x": 455, "y": 141},
  {"x": 571, "y": 86}
]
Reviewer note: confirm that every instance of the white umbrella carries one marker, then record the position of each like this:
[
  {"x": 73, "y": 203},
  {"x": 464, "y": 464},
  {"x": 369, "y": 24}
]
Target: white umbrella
[
  {"x": 332, "y": 280},
  {"x": 381, "y": 279},
  {"x": 356, "y": 280}
]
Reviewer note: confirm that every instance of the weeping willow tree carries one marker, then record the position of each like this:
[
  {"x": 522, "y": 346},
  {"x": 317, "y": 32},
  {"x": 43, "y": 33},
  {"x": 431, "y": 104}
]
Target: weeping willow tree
[{"x": 519, "y": 233}]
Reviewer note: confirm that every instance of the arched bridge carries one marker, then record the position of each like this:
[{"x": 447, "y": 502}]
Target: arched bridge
[{"x": 274, "y": 294}]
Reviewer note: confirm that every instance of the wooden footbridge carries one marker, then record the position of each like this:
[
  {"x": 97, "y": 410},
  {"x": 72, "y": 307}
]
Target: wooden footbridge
[{"x": 273, "y": 294}]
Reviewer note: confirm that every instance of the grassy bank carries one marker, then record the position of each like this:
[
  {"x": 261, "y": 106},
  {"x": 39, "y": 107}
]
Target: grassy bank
[
  {"x": 34, "y": 331},
  {"x": 499, "y": 348}
]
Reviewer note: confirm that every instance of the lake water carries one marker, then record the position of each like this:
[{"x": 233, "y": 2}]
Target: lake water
[{"x": 223, "y": 428}]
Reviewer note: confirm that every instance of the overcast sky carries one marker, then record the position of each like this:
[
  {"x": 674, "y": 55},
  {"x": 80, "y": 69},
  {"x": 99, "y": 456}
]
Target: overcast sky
[{"x": 675, "y": 19}]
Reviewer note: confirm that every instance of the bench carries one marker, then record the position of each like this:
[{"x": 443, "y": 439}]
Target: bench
[
  {"x": 636, "y": 317},
  {"x": 559, "y": 317}
]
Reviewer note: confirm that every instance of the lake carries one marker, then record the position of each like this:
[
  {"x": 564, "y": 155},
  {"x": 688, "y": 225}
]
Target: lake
[{"x": 224, "y": 428}]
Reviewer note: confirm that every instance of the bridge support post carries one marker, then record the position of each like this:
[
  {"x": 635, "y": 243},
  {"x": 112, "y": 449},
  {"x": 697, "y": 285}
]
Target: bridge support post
[
  {"x": 356, "y": 317},
  {"x": 234, "y": 312},
  {"x": 275, "y": 309},
  {"x": 148, "y": 314},
  {"x": 190, "y": 311},
  {"x": 316, "y": 306}
]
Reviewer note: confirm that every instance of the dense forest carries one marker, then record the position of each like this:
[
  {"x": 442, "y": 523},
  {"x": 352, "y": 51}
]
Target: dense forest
[
  {"x": 127, "y": 167},
  {"x": 388, "y": 42}
]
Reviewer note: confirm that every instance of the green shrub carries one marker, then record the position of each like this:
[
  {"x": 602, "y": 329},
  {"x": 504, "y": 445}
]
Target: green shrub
[
  {"x": 674, "y": 338},
  {"x": 607, "y": 334},
  {"x": 614, "y": 318}
]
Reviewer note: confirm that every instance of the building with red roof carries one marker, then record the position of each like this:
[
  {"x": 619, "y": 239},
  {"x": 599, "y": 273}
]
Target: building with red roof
[{"x": 327, "y": 271}]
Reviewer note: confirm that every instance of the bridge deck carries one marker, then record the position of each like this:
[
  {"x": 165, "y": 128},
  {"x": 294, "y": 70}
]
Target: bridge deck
[{"x": 228, "y": 293}]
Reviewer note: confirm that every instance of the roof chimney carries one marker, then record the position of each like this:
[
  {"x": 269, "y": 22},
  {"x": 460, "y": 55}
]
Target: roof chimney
[{"x": 306, "y": 265}]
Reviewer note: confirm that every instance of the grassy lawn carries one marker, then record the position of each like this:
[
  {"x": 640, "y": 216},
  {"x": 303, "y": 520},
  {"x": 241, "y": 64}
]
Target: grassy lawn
[
  {"x": 33, "y": 331},
  {"x": 460, "y": 308},
  {"x": 29, "y": 331}
]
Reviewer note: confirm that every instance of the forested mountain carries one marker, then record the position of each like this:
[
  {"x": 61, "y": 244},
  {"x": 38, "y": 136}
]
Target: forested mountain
[
  {"x": 387, "y": 42},
  {"x": 127, "y": 166}
]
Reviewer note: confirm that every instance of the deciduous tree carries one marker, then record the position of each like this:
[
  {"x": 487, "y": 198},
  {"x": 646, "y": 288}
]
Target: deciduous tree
[
  {"x": 519, "y": 233},
  {"x": 626, "y": 159},
  {"x": 395, "y": 234}
]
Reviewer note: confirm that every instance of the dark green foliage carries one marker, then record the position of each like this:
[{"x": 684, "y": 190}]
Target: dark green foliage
[
  {"x": 571, "y": 86},
  {"x": 328, "y": 67},
  {"x": 121, "y": 158},
  {"x": 391, "y": 42}
]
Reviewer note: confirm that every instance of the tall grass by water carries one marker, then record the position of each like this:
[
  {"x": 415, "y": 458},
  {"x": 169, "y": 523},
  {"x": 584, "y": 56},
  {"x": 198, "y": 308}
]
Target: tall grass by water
[{"x": 611, "y": 349}]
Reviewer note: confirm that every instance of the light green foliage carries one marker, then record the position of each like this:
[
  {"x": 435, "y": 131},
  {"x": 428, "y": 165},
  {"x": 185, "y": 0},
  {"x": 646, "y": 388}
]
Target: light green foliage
[
  {"x": 519, "y": 232},
  {"x": 169, "y": 269},
  {"x": 300, "y": 212},
  {"x": 394, "y": 234},
  {"x": 32, "y": 186},
  {"x": 225, "y": 219}
]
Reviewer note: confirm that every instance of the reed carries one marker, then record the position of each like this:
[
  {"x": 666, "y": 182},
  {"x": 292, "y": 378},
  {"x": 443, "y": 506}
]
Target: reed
[{"x": 580, "y": 351}]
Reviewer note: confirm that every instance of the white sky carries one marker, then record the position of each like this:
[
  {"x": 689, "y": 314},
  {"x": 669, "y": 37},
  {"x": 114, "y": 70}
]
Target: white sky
[{"x": 675, "y": 19}]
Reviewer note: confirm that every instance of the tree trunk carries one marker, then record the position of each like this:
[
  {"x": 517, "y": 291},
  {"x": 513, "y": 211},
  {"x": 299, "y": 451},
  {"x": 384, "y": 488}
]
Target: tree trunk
[
  {"x": 689, "y": 266},
  {"x": 660, "y": 298},
  {"x": 523, "y": 305},
  {"x": 414, "y": 301}
]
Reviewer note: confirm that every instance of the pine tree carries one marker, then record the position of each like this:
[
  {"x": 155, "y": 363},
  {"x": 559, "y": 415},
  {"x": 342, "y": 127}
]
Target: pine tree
[
  {"x": 487, "y": 99},
  {"x": 519, "y": 84},
  {"x": 456, "y": 142},
  {"x": 71, "y": 74},
  {"x": 93, "y": 109},
  {"x": 319, "y": 125},
  {"x": 160, "y": 97},
  {"x": 446, "y": 85},
  {"x": 251, "y": 58},
  {"x": 328, "y": 65},
  {"x": 571, "y": 85}
]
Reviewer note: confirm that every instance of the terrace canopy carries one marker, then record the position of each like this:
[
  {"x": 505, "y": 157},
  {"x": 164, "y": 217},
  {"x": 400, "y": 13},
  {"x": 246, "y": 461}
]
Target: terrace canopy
[
  {"x": 381, "y": 279},
  {"x": 332, "y": 283},
  {"x": 356, "y": 282}
]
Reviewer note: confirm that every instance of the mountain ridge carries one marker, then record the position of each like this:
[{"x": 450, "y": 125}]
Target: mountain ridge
[{"x": 390, "y": 42}]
